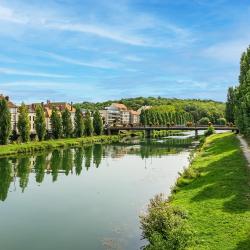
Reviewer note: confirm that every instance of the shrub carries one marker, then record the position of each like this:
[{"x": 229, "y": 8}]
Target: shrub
[
  {"x": 165, "y": 226},
  {"x": 204, "y": 121},
  {"x": 209, "y": 131},
  {"x": 221, "y": 121}
]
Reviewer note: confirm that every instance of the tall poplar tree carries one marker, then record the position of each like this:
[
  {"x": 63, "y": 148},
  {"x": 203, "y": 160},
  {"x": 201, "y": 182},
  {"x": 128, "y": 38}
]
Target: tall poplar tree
[
  {"x": 88, "y": 124},
  {"x": 79, "y": 123},
  {"x": 5, "y": 122},
  {"x": 56, "y": 124},
  {"x": 40, "y": 124},
  {"x": 97, "y": 123},
  {"x": 23, "y": 123},
  {"x": 67, "y": 123}
]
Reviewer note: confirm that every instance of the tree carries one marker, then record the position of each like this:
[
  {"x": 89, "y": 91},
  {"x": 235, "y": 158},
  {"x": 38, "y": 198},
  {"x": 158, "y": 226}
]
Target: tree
[
  {"x": 67, "y": 123},
  {"x": 40, "y": 124},
  {"x": 230, "y": 105},
  {"x": 56, "y": 124},
  {"x": 242, "y": 95},
  {"x": 97, "y": 123},
  {"x": 23, "y": 123},
  {"x": 5, "y": 122},
  {"x": 79, "y": 123},
  {"x": 88, "y": 124},
  {"x": 204, "y": 121}
]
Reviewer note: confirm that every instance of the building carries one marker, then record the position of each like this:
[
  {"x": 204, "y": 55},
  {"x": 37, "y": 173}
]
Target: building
[
  {"x": 143, "y": 108},
  {"x": 134, "y": 117},
  {"x": 13, "y": 111},
  {"x": 48, "y": 107},
  {"x": 118, "y": 113}
]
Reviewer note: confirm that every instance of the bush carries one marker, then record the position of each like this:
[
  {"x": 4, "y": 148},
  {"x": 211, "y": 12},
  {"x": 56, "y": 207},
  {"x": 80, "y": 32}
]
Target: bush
[
  {"x": 221, "y": 121},
  {"x": 209, "y": 131},
  {"x": 204, "y": 121},
  {"x": 165, "y": 226}
]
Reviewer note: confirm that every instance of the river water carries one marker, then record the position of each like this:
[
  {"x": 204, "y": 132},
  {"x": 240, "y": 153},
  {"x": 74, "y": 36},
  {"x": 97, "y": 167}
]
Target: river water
[{"x": 85, "y": 198}]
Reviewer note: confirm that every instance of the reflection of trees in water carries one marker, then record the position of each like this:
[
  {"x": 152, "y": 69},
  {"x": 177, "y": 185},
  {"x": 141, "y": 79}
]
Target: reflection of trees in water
[
  {"x": 88, "y": 152},
  {"x": 79, "y": 152},
  {"x": 97, "y": 154},
  {"x": 40, "y": 166},
  {"x": 55, "y": 163},
  {"x": 67, "y": 160},
  {"x": 23, "y": 170},
  {"x": 6, "y": 177}
]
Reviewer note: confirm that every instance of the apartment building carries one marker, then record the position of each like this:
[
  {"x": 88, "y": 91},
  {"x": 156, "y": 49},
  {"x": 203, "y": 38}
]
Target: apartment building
[{"x": 118, "y": 113}]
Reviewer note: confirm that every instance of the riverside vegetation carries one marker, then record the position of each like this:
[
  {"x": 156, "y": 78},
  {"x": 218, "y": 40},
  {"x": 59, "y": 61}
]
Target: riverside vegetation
[{"x": 209, "y": 207}]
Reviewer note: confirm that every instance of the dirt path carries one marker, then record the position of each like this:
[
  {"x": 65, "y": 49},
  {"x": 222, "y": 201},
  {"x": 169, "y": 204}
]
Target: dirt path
[{"x": 245, "y": 148}]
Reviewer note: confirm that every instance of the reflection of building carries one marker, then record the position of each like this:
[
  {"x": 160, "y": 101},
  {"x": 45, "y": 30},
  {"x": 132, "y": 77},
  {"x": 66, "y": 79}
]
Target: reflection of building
[
  {"x": 118, "y": 113},
  {"x": 13, "y": 111}
]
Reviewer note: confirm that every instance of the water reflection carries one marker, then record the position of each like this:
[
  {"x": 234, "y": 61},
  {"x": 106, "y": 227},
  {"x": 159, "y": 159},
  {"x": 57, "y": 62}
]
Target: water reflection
[{"x": 73, "y": 160}]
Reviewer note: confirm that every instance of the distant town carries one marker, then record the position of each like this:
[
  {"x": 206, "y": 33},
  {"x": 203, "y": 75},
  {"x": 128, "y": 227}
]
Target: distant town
[{"x": 116, "y": 113}]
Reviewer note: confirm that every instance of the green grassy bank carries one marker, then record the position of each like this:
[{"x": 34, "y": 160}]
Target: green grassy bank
[
  {"x": 13, "y": 149},
  {"x": 210, "y": 204},
  {"x": 216, "y": 194}
]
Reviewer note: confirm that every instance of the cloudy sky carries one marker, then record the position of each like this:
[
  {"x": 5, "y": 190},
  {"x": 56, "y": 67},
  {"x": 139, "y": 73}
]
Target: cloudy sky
[{"x": 93, "y": 50}]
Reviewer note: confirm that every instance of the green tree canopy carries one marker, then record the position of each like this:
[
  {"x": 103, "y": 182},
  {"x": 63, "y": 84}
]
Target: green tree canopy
[
  {"x": 5, "y": 122},
  {"x": 23, "y": 124},
  {"x": 79, "y": 123},
  {"x": 40, "y": 124},
  {"x": 88, "y": 124},
  {"x": 97, "y": 123},
  {"x": 56, "y": 124},
  {"x": 67, "y": 123}
]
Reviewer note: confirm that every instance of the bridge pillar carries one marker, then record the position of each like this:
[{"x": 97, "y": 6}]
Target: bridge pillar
[
  {"x": 148, "y": 133},
  {"x": 196, "y": 133}
]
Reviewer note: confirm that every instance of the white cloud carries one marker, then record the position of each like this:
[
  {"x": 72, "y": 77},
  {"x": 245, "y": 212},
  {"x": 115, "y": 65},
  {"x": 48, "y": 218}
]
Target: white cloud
[
  {"x": 9, "y": 71},
  {"x": 103, "y": 64},
  {"x": 228, "y": 51}
]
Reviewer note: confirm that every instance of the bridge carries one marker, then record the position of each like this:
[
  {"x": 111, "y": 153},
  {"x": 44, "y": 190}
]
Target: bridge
[{"x": 148, "y": 129}]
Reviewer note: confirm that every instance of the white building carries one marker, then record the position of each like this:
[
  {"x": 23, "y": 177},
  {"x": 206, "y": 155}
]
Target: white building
[{"x": 118, "y": 113}]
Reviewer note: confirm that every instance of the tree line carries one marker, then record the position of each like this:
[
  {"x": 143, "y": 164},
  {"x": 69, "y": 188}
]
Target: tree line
[
  {"x": 61, "y": 123},
  {"x": 170, "y": 115},
  {"x": 155, "y": 117},
  {"x": 238, "y": 98}
]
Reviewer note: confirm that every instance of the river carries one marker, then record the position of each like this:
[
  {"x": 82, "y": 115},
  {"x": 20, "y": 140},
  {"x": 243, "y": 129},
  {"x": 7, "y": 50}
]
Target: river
[{"x": 85, "y": 198}]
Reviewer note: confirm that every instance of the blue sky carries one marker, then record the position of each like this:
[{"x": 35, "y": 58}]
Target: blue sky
[{"x": 93, "y": 50}]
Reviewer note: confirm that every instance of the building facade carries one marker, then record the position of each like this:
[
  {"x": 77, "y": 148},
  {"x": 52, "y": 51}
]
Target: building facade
[{"x": 119, "y": 114}]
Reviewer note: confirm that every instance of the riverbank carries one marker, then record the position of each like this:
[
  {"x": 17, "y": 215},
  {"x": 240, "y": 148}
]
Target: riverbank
[
  {"x": 30, "y": 147},
  {"x": 215, "y": 193}
]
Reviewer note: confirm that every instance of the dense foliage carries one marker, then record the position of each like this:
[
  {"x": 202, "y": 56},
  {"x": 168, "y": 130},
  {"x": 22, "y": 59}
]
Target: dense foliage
[
  {"x": 165, "y": 226},
  {"x": 5, "y": 122},
  {"x": 40, "y": 124},
  {"x": 67, "y": 123},
  {"x": 238, "y": 104},
  {"x": 88, "y": 124},
  {"x": 164, "y": 115},
  {"x": 23, "y": 124},
  {"x": 56, "y": 124},
  {"x": 97, "y": 123},
  {"x": 198, "y": 108},
  {"x": 78, "y": 123}
]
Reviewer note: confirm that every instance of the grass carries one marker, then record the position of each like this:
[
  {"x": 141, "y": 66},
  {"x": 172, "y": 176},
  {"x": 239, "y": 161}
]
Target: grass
[
  {"x": 215, "y": 191},
  {"x": 14, "y": 149}
]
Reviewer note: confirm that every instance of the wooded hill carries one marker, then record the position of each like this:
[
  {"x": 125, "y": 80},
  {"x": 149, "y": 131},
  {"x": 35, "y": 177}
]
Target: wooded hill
[{"x": 198, "y": 108}]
